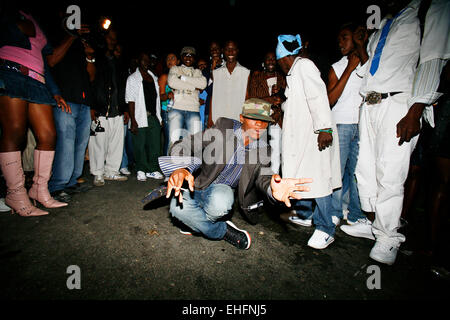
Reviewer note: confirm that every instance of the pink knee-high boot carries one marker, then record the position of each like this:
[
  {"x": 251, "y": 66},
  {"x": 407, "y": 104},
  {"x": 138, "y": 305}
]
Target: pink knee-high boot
[
  {"x": 17, "y": 198},
  {"x": 43, "y": 161}
]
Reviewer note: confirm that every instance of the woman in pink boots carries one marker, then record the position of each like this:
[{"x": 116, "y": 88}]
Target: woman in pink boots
[{"x": 25, "y": 99}]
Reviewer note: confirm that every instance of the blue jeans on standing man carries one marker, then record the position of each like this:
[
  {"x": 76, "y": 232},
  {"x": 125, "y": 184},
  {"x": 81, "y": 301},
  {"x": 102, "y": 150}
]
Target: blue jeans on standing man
[
  {"x": 202, "y": 210},
  {"x": 321, "y": 215},
  {"x": 72, "y": 137},
  {"x": 183, "y": 123},
  {"x": 349, "y": 149},
  {"x": 127, "y": 156},
  {"x": 165, "y": 124}
]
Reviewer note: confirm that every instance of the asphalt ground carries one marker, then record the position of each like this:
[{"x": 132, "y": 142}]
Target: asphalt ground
[{"x": 113, "y": 248}]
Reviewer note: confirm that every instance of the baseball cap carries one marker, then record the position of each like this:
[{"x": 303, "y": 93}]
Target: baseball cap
[
  {"x": 188, "y": 50},
  {"x": 257, "y": 109}
]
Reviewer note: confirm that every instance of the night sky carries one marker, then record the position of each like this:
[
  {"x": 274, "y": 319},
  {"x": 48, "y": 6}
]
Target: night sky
[{"x": 164, "y": 26}]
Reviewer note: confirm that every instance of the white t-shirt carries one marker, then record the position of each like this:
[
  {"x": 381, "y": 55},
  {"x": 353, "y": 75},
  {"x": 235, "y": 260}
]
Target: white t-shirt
[{"x": 346, "y": 109}]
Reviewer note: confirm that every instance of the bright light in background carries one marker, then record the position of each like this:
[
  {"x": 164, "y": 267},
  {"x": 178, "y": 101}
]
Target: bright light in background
[{"x": 106, "y": 23}]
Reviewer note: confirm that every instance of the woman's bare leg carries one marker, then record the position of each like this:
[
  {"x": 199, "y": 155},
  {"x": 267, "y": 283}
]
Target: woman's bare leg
[
  {"x": 13, "y": 121},
  {"x": 41, "y": 120}
]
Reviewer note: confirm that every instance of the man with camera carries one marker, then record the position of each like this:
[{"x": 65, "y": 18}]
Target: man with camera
[
  {"x": 106, "y": 144},
  {"x": 73, "y": 67}
]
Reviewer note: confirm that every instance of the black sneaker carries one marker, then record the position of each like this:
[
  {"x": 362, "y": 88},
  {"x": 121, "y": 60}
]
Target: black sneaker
[
  {"x": 61, "y": 195},
  {"x": 77, "y": 188},
  {"x": 239, "y": 238}
]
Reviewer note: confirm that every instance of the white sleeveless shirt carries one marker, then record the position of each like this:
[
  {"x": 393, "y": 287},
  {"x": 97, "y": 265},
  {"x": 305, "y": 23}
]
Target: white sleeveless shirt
[
  {"x": 346, "y": 109},
  {"x": 229, "y": 90}
]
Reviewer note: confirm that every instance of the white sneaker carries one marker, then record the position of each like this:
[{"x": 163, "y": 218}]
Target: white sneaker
[
  {"x": 3, "y": 206},
  {"x": 154, "y": 175},
  {"x": 99, "y": 181},
  {"x": 301, "y": 222},
  {"x": 384, "y": 253},
  {"x": 320, "y": 240},
  {"x": 115, "y": 177},
  {"x": 360, "y": 229},
  {"x": 141, "y": 176},
  {"x": 125, "y": 171}
]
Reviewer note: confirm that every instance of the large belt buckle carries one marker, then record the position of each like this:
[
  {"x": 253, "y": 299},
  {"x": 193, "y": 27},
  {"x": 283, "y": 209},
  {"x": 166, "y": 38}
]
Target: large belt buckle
[{"x": 373, "y": 97}]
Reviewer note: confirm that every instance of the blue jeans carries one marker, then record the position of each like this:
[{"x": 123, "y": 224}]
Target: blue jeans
[
  {"x": 165, "y": 123},
  {"x": 349, "y": 149},
  {"x": 127, "y": 156},
  {"x": 321, "y": 215},
  {"x": 72, "y": 137},
  {"x": 183, "y": 123},
  {"x": 201, "y": 210}
]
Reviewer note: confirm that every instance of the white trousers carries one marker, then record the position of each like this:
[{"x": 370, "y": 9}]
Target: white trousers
[
  {"x": 106, "y": 148},
  {"x": 383, "y": 165}
]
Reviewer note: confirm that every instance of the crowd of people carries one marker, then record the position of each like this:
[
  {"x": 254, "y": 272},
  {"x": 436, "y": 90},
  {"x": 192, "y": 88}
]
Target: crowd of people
[{"x": 332, "y": 151}]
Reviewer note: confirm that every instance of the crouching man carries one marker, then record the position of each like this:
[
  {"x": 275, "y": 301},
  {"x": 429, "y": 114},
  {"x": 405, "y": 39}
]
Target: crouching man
[{"x": 230, "y": 155}]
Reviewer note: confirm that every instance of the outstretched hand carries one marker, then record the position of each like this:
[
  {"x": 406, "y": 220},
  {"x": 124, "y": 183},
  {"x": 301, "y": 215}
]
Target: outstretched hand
[
  {"x": 176, "y": 181},
  {"x": 285, "y": 189}
]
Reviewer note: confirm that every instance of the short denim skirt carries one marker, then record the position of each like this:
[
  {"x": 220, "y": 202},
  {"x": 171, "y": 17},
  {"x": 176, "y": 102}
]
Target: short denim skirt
[{"x": 16, "y": 85}]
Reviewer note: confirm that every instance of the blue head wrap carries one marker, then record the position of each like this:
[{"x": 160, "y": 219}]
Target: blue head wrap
[{"x": 281, "y": 50}]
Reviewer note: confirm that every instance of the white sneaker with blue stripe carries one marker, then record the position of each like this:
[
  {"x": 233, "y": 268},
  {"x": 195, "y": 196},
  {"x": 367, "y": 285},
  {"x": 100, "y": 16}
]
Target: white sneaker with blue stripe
[{"x": 320, "y": 240}]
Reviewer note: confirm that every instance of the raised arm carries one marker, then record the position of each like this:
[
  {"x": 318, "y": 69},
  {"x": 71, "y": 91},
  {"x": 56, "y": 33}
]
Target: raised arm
[{"x": 336, "y": 86}]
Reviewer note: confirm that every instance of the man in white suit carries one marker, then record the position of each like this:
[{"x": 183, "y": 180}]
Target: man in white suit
[{"x": 397, "y": 87}]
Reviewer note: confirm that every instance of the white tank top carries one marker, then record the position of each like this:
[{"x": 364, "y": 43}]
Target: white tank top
[
  {"x": 229, "y": 90},
  {"x": 346, "y": 109}
]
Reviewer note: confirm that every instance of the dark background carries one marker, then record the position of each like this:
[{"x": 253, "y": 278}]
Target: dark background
[{"x": 164, "y": 26}]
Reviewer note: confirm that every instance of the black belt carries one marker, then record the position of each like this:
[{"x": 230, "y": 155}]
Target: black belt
[{"x": 376, "y": 97}]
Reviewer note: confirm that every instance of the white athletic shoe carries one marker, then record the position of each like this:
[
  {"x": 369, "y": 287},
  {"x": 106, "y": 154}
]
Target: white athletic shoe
[
  {"x": 320, "y": 240},
  {"x": 154, "y": 175},
  {"x": 141, "y": 176},
  {"x": 360, "y": 229},
  {"x": 125, "y": 171},
  {"x": 115, "y": 177},
  {"x": 99, "y": 181},
  {"x": 301, "y": 222},
  {"x": 384, "y": 253}
]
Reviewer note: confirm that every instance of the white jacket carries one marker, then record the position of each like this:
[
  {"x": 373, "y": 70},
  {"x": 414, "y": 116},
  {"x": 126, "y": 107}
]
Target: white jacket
[
  {"x": 185, "y": 83},
  {"x": 306, "y": 110}
]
